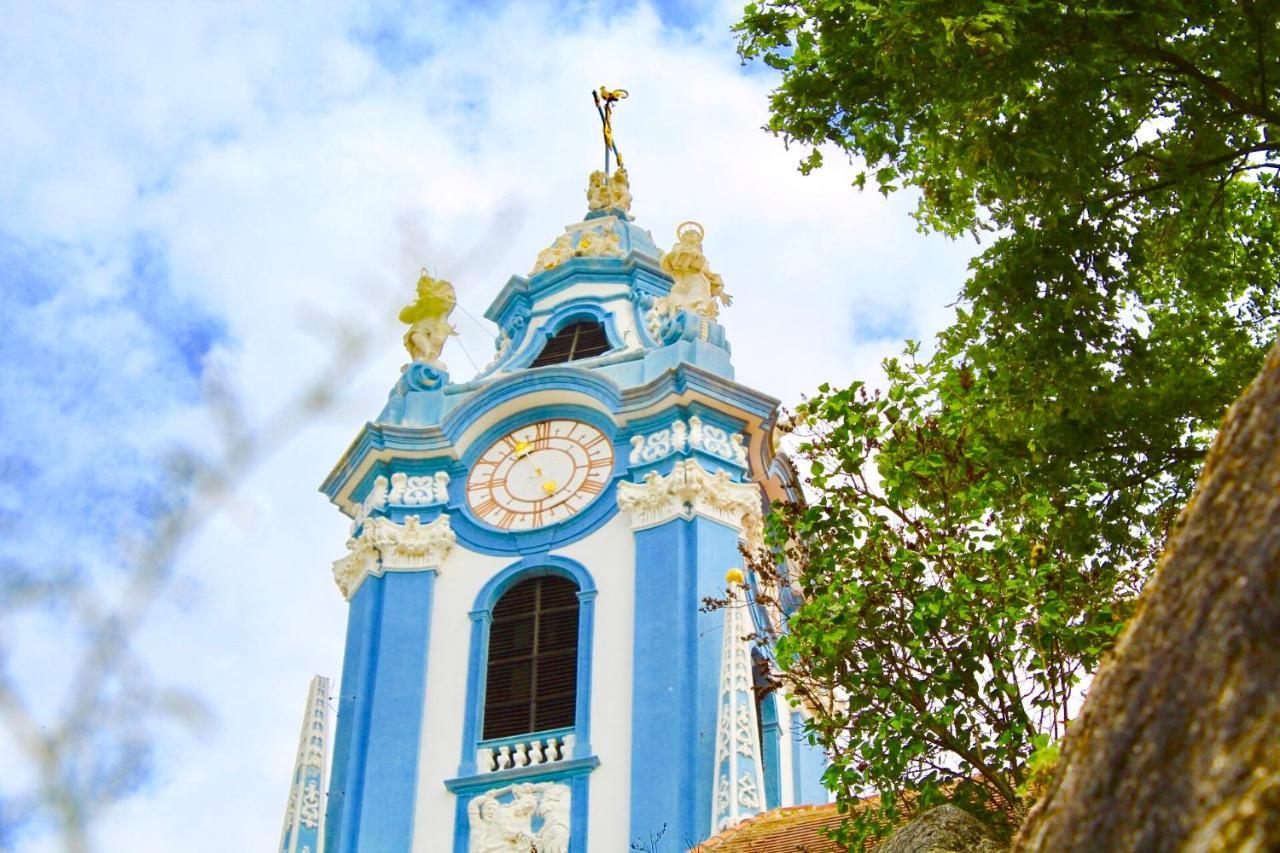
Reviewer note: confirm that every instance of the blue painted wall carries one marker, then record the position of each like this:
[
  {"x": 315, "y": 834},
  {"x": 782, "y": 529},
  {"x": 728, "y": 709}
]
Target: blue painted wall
[
  {"x": 808, "y": 763},
  {"x": 374, "y": 783},
  {"x": 677, "y": 677},
  {"x": 770, "y": 745}
]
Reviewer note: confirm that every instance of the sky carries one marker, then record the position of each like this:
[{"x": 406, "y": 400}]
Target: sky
[{"x": 200, "y": 201}]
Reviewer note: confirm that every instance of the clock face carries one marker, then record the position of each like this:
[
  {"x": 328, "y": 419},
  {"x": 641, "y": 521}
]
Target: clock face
[{"x": 539, "y": 474}]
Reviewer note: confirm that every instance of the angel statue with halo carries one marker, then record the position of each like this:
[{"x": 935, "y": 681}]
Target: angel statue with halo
[
  {"x": 695, "y": 288},
  {"x": 428, "y": 319}
]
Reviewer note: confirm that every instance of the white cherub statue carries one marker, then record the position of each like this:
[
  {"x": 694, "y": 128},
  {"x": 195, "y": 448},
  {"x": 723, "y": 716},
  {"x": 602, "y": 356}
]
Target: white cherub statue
[
  {"x": 597, "y": 191},
  {"x": 428, "y": 319},
  {"x": 609, "y": 191},
  {"x": 696, "y": 288}
]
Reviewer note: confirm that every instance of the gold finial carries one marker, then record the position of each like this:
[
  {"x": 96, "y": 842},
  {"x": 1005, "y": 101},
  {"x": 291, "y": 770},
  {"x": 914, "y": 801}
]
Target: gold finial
[
  {"x": 735, "y": 576},
  {"x": 605, "y": 99}
]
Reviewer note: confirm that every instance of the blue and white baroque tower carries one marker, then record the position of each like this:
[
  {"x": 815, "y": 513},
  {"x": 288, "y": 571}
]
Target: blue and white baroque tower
[{"x": 528, "y": 665}]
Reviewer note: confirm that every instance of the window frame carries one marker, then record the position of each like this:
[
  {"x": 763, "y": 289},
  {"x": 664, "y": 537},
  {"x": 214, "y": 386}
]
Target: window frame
[
  {"x": 562, "y": 316},
  {"x": 532, "y": 660},
  {"x": 481, "y": 617}
]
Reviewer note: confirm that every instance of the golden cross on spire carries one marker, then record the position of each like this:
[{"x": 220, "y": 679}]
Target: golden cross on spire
[{"x": 605, "y": 99}]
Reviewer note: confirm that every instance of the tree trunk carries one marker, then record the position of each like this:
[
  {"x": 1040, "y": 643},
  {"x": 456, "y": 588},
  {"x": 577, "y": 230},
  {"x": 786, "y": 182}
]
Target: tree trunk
[{"x": 1178, "y": 744}]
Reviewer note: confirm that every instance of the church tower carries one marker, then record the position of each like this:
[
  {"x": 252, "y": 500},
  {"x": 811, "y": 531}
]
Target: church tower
[{"x": 528, "y": 662}]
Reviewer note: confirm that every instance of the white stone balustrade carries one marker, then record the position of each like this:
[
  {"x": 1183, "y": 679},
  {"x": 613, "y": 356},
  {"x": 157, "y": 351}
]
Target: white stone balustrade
[{"x": 528, "y": 751}]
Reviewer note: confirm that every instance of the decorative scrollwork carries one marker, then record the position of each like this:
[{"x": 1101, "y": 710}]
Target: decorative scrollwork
[{"x": 695, "y": 435}]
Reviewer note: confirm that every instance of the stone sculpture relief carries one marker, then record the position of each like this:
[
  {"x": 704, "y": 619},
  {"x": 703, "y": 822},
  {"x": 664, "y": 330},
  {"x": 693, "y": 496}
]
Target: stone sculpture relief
[{"x": 499, "y": 826}]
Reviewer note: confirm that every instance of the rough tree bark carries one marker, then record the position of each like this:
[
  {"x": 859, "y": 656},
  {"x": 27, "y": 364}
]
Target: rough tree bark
[{"x": 1178, "y": 744}]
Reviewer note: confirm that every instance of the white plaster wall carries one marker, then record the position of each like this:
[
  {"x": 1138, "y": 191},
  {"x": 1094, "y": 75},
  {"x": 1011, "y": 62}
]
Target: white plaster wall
[
  {"x": 609, "y": 555},
  {"x": 457, "y": 586}
]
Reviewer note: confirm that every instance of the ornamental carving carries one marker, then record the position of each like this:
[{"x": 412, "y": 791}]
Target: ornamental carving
[
  {"x": 309, "y": 814},
  {"x": 502, "y": 819},
  {"x": 695, "y": 435},
  {"x": 413, "y": 545},
  {"x": 360, "y": 562},
  {"x": 691, "y": 490},
  {"x": 374, "y": 501},
  {"x": 599, "y": 241},
  {"x": 501, "y": 346},
  {"x": 660, "y": 444},
  {"x": 384, "y": 546},
  {"x": 739, "y": 768},
  {"x": 419, "y": 491},
  {"x": 403, "y": 490}
]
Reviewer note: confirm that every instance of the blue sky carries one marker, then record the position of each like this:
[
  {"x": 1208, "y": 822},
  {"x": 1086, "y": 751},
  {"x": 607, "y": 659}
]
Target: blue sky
[{"x": 201, "y": 192}]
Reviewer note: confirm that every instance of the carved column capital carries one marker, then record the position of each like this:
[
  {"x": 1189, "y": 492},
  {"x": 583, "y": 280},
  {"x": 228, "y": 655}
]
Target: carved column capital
[
  {"x": 691, "y": 490},
  {"x": 412, "y": 546},
  {"x": 384, "y": 546}
]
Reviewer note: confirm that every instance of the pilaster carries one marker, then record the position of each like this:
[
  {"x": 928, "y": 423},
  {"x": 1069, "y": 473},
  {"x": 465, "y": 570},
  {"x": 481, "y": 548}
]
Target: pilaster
[
  {"x": 688, "y": 524},
  {"x": 389, "y": 578}
]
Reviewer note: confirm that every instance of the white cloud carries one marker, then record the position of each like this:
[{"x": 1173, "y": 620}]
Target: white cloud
[{"x": 294, "y": 165}]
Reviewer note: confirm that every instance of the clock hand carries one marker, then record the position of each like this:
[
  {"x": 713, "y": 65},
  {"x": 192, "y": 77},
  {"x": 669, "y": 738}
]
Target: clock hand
[{"x": 548, "y": 486}]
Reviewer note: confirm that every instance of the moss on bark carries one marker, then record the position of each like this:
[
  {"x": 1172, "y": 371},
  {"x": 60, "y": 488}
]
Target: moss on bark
[{"x": 1178, "y": 744}]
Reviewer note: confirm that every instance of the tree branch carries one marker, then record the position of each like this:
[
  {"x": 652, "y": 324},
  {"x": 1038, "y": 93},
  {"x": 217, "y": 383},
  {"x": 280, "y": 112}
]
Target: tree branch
[{"x": 1213, "y": 84}]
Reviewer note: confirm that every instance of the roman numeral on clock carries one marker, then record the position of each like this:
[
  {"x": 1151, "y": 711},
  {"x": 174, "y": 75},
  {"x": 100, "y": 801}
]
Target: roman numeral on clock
[
  {"x": 486, "y": 508},
  {"x": 541, "y": 434}
]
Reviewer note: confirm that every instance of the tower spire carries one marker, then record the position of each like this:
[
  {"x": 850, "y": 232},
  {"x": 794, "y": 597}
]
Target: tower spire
[
  {"x": 303, "y": 830},
  {"x": 738, "y": 788}
]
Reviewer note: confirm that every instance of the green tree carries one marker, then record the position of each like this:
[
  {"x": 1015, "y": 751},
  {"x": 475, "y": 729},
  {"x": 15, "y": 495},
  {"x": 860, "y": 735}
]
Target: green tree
[
  {"x": 943, "y": 622},
  {"x": 1120, "y": 159}
]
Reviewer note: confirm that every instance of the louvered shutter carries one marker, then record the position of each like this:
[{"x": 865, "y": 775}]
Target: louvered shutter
[
  {"x": 583, "y": 339},
  {"x": 531, "y": 684}
]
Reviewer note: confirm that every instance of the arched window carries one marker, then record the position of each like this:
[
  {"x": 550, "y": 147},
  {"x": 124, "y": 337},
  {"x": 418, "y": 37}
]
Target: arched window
[
  {"x": 581, "y": 339},
  {"x": 532, "y": 677}
]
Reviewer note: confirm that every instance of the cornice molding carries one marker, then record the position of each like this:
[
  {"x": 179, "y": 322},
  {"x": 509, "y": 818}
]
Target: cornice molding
[
  {"x": 681, "y": 386},
  {"x": 691, "y": 490},
  {"x": 384, "y": 546}
]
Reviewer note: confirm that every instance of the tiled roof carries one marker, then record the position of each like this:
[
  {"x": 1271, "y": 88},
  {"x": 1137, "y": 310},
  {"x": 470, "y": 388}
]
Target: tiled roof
[{"x": 793, "y": 829}]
